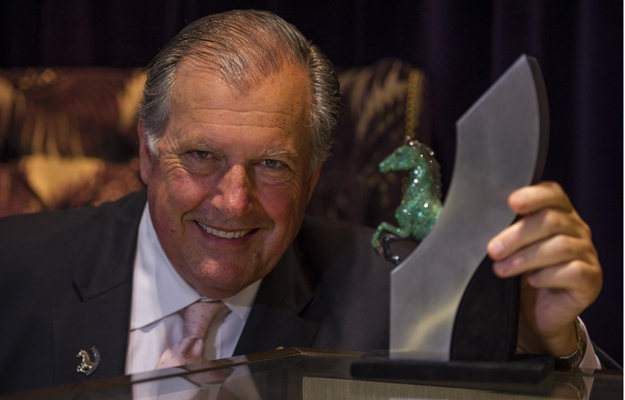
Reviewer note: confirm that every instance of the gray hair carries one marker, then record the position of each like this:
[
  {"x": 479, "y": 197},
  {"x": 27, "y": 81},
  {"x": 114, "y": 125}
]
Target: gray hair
[{"x": 243, "y": 48}]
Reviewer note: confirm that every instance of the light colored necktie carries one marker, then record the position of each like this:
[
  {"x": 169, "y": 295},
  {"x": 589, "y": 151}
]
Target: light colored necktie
[{"x": 197, "y": 318}]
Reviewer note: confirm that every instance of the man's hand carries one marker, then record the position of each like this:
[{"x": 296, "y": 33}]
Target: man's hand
[{"x": 552, "y": 248}]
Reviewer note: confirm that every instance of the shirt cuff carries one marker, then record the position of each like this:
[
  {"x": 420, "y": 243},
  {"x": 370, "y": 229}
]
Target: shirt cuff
[{"x": 590, "y": 360}]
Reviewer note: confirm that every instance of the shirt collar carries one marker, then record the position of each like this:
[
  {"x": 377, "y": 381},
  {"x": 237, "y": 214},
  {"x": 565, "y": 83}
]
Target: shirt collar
[{"x": 158, "y": 289}]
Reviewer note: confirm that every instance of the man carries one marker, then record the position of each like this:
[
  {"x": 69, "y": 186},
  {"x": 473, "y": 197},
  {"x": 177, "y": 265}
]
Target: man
[{"x": 233, "y": 130}]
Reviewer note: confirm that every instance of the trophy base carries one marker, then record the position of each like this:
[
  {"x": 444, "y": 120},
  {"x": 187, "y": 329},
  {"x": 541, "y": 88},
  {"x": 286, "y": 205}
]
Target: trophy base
[{"x": 378, "y": 365}]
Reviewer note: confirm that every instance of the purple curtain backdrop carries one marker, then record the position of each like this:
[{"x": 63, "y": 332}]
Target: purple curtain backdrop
[{"x": 462, "y": 46}]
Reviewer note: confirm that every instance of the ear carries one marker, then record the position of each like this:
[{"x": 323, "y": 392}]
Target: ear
[
  {"x": 145, "y": 155},
  {"x": 314, "y": 177}
]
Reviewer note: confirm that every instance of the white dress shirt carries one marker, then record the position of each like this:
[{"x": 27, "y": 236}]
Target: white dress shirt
[{"x": 158, "y": 293}]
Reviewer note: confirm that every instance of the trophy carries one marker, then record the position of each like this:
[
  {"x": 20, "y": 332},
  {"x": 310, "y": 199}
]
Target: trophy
[{"x": 450, "y": 317}]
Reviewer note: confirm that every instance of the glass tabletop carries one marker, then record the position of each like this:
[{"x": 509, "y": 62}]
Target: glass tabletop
[{"x": 309, "y": 374}]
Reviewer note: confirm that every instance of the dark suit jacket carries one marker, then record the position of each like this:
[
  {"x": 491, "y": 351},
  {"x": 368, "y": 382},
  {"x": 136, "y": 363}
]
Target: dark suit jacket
[{"x": 66, "y": 282}]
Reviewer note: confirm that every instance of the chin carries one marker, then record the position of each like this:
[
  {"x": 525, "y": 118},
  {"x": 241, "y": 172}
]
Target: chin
[{"x": 221, "y": 281}]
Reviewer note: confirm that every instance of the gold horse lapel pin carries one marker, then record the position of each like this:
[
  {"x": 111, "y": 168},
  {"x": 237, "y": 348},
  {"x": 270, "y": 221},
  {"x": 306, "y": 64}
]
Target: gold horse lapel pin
[{"x": 87, "y": 366}]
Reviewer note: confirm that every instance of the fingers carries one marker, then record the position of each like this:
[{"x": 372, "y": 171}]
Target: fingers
[
  {"x": 530, "y": 199},
  {"x": 581, "y": 277},
  {"x": 536, "y": 227},
  {"x": 547, "y": 252},
  {"x": 549, "y": 242}
]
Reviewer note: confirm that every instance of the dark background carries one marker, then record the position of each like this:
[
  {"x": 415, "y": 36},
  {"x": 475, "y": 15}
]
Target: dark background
[{"x": 462, "y": 46}]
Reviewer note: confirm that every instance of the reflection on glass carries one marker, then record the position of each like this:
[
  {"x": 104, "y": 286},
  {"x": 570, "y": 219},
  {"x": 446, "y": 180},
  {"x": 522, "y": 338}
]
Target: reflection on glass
[{"x": 220, "y": 384}]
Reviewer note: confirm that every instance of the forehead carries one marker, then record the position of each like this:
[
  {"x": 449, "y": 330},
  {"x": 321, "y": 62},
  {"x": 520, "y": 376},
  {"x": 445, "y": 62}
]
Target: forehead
[{"x": 280, "y": 99}]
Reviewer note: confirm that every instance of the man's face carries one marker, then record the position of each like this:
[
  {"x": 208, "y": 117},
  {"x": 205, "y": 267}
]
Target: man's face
[{"x": 233, "y": 164}]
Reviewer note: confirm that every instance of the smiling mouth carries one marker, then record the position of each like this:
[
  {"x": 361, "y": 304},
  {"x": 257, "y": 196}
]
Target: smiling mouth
[{"x": 223, "y": 234}]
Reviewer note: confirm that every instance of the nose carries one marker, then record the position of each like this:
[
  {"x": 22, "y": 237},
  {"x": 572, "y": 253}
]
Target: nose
[{"x": 234, "y": 194}]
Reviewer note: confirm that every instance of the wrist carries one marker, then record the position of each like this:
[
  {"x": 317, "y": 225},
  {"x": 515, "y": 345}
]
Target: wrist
[
  {"x": 574, "y": 359},
  {"x": 562, "y": 345}
]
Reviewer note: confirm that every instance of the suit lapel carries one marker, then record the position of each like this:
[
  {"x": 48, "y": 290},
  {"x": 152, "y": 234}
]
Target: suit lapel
[
  {"x": 98, "y": 313},
  {"x": 275, "y": 317},
  {"x": 100, "y": 322}
]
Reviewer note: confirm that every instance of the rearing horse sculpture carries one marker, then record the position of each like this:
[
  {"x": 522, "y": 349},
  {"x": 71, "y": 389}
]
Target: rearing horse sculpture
[{"x": 421, "y": 205}]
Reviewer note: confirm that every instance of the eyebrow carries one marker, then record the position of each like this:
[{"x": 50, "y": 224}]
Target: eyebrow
[
  {"x": 277, "y": 151},
  {"x": 204, "y": 144}
]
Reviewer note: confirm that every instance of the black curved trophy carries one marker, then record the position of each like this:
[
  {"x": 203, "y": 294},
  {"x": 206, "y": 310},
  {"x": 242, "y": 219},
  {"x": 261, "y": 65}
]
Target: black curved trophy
[{"x": 451, "y": 318}]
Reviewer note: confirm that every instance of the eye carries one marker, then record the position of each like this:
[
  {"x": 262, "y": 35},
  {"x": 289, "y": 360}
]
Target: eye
[
  {"x": 201, "y": 154},
  {"x": 273, "y": 164}
]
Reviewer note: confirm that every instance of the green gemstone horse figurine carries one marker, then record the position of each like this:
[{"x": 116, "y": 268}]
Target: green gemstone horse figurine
[{"x": 421, "y": 205}]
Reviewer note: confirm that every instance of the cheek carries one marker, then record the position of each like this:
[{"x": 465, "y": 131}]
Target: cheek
[
  {"x": 177, "y": 192},
  {"x": 285, "y": 204}
]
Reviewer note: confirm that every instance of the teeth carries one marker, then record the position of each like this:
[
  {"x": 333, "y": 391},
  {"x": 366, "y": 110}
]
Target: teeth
[{"x": 222, "y": 234}]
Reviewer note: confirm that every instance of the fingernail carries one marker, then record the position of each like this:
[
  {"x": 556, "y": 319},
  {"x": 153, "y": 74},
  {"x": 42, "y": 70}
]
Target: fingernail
[
  {"x": 497, "y": 249},
  {"x": 504, "y": 266},
  {"x": 521, "y": 200}
]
